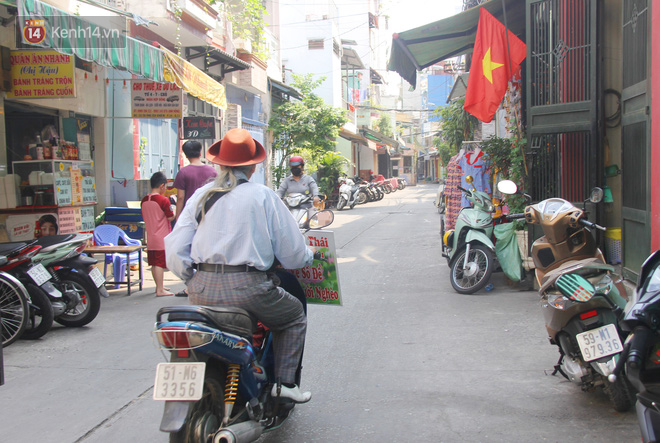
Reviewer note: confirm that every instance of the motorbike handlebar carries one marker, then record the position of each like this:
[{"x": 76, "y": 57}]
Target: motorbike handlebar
[
  {"x": 464, "y": 190},
  {"x": 589, "y": 225},
  {"x": 515, "y": 216}
]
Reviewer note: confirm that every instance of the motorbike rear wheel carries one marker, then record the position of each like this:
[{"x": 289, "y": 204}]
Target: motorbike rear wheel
[
  {"x": 620, "y": 393},
  {"x": 477, "y": 273},
  {"x": 362, "y": 197},
  {"x": 40, "y": 314},
  {"x": 13, "y": 309},
  {"x": 205, "y": 416},
  {"x": 82, "y": 297},
  {"x": 341, "y": 203}
]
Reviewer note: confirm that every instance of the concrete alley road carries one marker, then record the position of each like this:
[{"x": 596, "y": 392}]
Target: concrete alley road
[{"x": 404, "y": 359}]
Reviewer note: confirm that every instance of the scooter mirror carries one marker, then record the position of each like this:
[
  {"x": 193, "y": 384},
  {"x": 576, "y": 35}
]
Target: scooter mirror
[
  {"x": 575, "y": 287},
  {"x": 321, "y": 219},
  {"x": 507, "y": 187},
  {"x": 469, "y": 179},
  {"x": 596, "y": 195}
]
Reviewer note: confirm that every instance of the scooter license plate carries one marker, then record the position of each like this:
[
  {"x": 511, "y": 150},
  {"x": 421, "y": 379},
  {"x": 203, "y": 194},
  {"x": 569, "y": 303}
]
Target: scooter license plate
[
  {"x": 96, "y": 277},
  {"x": 599, "y": 342},
  {"x": 39, "y": 274},
  {"x": 179, "y": 381}
]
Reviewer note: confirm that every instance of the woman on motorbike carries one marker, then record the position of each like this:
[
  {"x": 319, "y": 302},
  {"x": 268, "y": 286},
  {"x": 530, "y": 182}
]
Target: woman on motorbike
[
  {"x": 299, "y": 182},
  {"x": 228, "y": 236}
]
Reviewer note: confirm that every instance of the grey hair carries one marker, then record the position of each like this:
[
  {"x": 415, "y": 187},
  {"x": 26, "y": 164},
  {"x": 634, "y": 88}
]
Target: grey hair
[{"x": 225, "y": 181}]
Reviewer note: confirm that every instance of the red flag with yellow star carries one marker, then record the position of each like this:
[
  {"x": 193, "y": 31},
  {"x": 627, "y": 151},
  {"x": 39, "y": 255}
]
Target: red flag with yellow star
[{"x": 492, "y": 66}]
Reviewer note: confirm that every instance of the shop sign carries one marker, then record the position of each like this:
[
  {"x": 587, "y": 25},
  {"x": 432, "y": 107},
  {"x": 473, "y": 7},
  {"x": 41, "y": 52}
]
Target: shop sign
[
  {"x": 320, "y": 281},
  {"x": 63, "y": 189},
  {"x": 151, "y": 99},
  {"x": 41, "y": 74},
  {"x": 198, "y": 127}
]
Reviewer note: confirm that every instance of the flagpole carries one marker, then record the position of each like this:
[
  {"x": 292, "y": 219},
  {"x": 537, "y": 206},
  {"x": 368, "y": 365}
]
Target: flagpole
[{"x": 515, "y": 112}]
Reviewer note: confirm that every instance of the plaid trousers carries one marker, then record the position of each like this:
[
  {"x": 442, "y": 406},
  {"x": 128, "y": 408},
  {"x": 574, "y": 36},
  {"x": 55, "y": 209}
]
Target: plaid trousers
[{"x": 256, "y": 293}]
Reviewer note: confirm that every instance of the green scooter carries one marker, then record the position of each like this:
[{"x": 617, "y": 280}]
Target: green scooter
[{"x": 469, "y": 248}]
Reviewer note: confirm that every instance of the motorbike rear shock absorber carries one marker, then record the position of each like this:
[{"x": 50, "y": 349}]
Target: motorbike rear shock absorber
[{"x": 231, "y": 390}]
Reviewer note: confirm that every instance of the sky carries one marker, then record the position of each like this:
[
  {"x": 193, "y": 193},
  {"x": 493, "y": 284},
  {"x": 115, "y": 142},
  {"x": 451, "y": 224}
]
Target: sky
[{"x": 409, "y": 14}]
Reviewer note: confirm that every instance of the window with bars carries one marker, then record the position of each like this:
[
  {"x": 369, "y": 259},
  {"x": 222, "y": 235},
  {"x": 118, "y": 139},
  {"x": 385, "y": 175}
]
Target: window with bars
[{"x": 315, "y": 44}]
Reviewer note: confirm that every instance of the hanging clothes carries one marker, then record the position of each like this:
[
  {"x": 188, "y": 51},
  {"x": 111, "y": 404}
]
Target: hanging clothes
[
  {"x": 476, "y": 164},
  {"x": 453, "y": 194}
]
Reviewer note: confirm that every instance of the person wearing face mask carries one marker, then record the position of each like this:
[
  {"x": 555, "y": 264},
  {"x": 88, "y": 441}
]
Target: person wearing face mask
[{"x": 299, "y": 182}]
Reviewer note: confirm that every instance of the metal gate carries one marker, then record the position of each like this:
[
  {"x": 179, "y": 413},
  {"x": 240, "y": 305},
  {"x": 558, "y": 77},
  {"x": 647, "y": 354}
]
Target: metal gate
[
  {"x": 636, "y": 136},
  {"x": 562, "y": 93}
]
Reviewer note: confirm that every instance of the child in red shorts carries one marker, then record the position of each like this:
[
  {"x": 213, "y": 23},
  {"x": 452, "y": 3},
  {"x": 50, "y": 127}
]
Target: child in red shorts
[{"x": 157, "y": 216}]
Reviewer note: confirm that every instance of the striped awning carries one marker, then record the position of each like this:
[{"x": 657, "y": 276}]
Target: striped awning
[{"x": 109, "y": 49}]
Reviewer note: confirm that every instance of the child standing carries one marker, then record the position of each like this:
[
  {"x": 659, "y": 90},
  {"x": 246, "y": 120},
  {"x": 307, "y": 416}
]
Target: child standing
[{"x": 157, "y": 216}]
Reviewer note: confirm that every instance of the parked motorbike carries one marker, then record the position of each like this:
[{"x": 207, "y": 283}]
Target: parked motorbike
[
  {"x": 640, "y": 359},
  {"x": 348, "y": 193},
  {"x": 14, "y": 302},
  {"x": 402, "y": 183},
  {"x": 469, "y": 248},
  {"x": 217, "y": 386},
  {"x": 37, "y": 282},
  {"x": 75, "y": 275},
  {"x": 583, "y": 327}
]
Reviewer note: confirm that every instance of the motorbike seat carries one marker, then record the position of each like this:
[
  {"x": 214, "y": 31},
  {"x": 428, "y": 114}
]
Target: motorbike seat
[
  {"x": 8, "y": 249},
  {"x": 229, "y": 319},
  {"x": 51, "y": 240}
]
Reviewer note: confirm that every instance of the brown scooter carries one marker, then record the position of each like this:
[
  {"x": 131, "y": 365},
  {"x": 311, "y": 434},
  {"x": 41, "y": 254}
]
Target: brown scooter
[{"x": 585, "y": 329}]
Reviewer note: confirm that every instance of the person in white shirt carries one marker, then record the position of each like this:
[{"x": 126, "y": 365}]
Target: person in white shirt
[{"x": 223, "y": 255}]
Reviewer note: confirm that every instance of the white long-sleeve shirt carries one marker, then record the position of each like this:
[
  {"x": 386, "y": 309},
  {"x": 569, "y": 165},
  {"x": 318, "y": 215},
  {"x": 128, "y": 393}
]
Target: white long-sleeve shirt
[{"x": 249, "y": 225}]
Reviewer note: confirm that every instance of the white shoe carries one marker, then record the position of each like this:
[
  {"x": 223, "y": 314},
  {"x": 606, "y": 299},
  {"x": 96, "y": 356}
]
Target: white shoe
[{"x": 294, "y": 394}]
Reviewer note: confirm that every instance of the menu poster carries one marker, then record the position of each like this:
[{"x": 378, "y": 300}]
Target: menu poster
[
  {"x": 63, "y": 189},
  {"x": 87, "y": 219},
  {"x": 83, "y": 130},
  {"x": 67, "y": 219},
  {"x": 76, "y": 185},
  {"x": 88, "y": 190}
]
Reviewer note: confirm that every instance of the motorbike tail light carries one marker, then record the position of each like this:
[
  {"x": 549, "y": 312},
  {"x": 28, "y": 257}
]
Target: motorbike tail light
[
  {"x": 81, "y": 248},
  {"x": 179, "y": 338},
  {"x": 588, "y": 314}
]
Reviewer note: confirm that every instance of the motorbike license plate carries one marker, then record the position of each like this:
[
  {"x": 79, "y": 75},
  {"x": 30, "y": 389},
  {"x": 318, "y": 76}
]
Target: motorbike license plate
[
  {"x": 39, "y": 274},
  {"x": 599, "y": 342},
  {"x": 179, "y": 381},
  {"x": 97, "y": 277}
]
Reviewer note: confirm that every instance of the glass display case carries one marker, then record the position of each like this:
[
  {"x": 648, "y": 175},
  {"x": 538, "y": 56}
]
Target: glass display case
[{"x": 54, "y": 183}]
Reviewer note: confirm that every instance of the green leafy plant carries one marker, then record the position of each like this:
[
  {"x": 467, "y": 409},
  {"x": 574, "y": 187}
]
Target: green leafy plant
[
  {"x": 457, "y": 125},
  {"x": 330, "y": 166},
  {"x": 384, "y": 126},
  {"x": 142, "y": 149},
  {"x": 308, "y": 126},
  {"x": 246, "y": 17},
  {"x": 507, "y": 159}
]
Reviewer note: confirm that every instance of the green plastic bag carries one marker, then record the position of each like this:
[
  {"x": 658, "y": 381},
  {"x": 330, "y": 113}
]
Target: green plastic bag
[{"x": 506, "y": 249}]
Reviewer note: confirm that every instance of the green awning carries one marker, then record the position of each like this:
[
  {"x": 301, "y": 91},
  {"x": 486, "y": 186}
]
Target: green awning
[
  {"x": 419, "y": 48},
  {"x": 112, "y": 50}
]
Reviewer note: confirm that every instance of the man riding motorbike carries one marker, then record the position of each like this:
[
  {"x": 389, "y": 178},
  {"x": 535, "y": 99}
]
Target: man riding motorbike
[
  {"x": 299, "y": 182},
  {"x": 228, "y": 236}
]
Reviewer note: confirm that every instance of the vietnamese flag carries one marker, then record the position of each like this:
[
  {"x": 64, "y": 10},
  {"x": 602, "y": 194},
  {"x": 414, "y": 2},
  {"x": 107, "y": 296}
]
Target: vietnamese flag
[{"x": 490, "y": 70}]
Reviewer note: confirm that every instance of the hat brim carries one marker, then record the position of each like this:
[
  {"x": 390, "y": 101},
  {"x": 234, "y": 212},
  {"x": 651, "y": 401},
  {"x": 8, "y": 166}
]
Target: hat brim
[
  {"x": 212, "y": 155},
  {"x": 295, "y": 163}
]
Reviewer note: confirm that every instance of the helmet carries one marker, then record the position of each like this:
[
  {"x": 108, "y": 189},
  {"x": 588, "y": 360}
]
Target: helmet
[{"x": 296, "y": 160}]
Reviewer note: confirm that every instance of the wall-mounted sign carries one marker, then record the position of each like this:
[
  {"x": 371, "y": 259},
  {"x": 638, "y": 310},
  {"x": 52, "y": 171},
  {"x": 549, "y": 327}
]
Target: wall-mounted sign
[
  {"x": 198, "y": 127},
  {"x": 41, "y": 74},
  {"x": 151, "y": 99}
]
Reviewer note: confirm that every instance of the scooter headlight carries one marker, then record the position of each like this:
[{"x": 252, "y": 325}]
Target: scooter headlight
[{"x": 558, "y": 301}]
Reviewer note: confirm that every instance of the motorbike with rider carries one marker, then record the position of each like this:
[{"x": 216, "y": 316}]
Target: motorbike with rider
[
  {"x": 299, "y": 190},
  {"x": 251, "y": 231}
]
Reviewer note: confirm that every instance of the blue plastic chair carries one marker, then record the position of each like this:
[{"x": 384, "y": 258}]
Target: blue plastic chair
[{"x": 109, "y": 235}]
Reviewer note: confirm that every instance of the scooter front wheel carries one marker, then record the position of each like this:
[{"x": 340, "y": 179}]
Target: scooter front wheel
[
  {"x": 468, "y": 278},
  {"x": 341, "y": 203}
]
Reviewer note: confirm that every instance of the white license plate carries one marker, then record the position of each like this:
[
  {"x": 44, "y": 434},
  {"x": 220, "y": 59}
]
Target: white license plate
[
  {"x": 599, "y": 342},
  {"x": 179, "y": 381},
  {"x": 39, "y": 274},
  {"x": 96, "y": 277}
]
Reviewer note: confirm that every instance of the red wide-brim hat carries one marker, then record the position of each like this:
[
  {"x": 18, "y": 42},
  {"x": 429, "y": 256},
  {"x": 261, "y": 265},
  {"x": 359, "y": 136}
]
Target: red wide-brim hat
[{"x": 237, "y": 148}]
